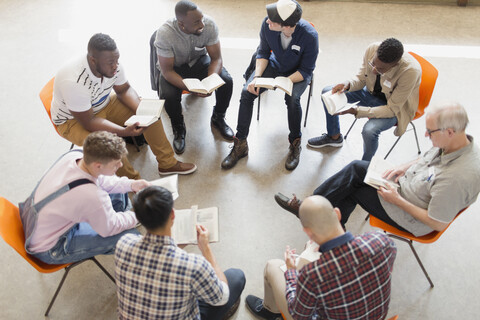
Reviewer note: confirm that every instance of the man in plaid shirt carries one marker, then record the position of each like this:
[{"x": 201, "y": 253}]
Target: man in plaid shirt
[
  {"x": 350, "y": 280},
  {"x": 158, "y": 280}
]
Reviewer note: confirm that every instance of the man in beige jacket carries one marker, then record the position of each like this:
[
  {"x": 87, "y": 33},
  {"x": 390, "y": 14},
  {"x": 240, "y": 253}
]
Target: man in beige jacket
[{"x": 386, "y": 88}]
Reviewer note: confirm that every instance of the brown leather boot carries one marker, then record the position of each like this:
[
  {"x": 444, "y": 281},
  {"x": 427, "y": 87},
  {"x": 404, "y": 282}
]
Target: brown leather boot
[
  {"x": 239, "y": 150},
  {"x": 293, "y": 157}
]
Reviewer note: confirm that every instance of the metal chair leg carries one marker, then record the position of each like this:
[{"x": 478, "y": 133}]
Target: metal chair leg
[
  {"x": 310, "y": 93},
  {"x": 258, "y": 108},
  {"x": 71, "y": 147},
  {"x": 416, "y": 137},
  {"x": 346, "y": 135},
  {"x": 103, "y": 269},
  {"x": 396, "y": 141},
  {"x": 368, "y": 216},
  {"x": 410, "y": 243}
]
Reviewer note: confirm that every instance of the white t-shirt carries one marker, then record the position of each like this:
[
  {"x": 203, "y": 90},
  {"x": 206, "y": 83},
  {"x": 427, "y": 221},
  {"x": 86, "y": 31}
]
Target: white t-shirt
[{"x": 77, "y": 89}]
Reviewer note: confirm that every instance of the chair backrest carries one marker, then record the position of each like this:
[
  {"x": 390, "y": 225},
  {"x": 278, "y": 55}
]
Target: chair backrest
[
  {"x": 11, "y": 230},
  {"x": 427, "y": 84},
  {"x": 46, "y": 95},
  {"x": 428, "y": 238}
]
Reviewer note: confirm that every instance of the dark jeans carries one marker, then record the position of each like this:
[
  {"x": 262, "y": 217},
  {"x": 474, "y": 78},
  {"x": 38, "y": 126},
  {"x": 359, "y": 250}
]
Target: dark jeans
[
  {"x": 173, "y": 95},
  {"x": 293, "y": 106},
  {"x": 236, "y": 283},
  {"x": 346, "y": 189}
]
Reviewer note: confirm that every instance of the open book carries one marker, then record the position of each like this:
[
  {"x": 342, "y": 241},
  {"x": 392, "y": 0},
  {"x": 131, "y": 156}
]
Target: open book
[
  {"x": 184, "y": 229},
  {"x": 206, "y": 86},
  {"x": 336, "y": 102},
  {"x": 170, "y": 183},
  {"x": 283, "y": 83},
  {"x": 375, "y": 171},
  {"x": 308, "y": 255},
  {"x": 148, "y": 112}
]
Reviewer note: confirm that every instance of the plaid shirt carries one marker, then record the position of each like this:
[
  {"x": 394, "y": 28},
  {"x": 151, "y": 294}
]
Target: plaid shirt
[
  {"x": 350, "y": 280},
  {"x": 158, "y": 280}
]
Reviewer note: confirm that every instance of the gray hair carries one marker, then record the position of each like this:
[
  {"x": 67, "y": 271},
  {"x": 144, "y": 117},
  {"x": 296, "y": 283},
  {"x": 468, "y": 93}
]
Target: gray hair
[{"x": 449, "y": 115}]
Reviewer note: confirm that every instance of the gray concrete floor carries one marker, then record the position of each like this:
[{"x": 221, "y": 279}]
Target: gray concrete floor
[{"x": 37, "y": 37}]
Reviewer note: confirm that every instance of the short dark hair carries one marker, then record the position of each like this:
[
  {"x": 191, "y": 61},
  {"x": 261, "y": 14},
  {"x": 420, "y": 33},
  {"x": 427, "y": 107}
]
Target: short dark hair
[
  {"x": 390, "y": 50},
  {"x": 101, "y": 42},
  {"x": 103, "y": 147},
  {"x": 152, "y": 207},
  {"x": 183, "y": 7}
]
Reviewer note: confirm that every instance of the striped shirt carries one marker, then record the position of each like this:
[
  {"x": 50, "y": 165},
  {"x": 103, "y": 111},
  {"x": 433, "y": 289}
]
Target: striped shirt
[
  {"x": 351, "y": 280},
  {"x": 77, "y": 89},
  {"x": 157, "y": 280}
]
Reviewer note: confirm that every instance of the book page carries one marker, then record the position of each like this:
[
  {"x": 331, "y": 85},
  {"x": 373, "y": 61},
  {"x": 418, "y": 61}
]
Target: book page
[
  {"x": 268, "y": 83},
  {"x": 194, "y": 85},
  {"x": 144, "y": 121},
  {"x": 184, "y": 227},
  {"x": 285, "y": 84},
  {"x": 212, "y": 82},
  {"x": 208, "y": 218},
  {"x": 170, "y": 183},
  {"x": 376, "y": 169},
  {"x": 150, "y": 107},
  {"x": 334, "y": 102}
]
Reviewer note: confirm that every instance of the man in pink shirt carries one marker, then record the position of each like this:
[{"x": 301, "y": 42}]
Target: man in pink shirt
[{"x": 88, "y": 219}]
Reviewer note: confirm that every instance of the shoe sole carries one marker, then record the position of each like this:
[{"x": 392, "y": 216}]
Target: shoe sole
[
  {"x": 280, "y": 199},
  {"x": 334, "y": 145},
  {"x": 178, "y": 172}
]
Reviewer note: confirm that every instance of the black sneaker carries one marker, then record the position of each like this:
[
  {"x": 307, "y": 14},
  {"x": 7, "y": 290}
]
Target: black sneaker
[
  {"x": 325, "y": 141},
  {"x": 255, "y": 304}
]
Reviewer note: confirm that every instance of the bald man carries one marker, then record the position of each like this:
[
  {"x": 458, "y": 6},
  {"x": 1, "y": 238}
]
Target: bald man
[{"x": 351, "y": 279}]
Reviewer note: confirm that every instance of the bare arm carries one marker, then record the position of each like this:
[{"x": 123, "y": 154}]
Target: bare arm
[
  {"x": 166, "y": 67},
  {"x": 296, "y": 77},
  {"x": 92, "y": 123},
  {"x": 391, "y": 195},
  {"x": 216, "y": 63},
  {"x": 204, "y": 246},
  {"x": 128, "y": 96}
]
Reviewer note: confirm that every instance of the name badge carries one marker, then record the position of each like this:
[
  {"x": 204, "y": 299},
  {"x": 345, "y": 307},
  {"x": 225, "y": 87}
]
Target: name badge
[
  {"x": 387, "y": 84},
  {"x": 295, "y": 47},
  {"x": 199, "y": 49}
]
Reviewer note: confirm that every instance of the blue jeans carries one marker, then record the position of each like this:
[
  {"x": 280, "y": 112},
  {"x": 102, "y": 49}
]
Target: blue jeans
[
  {"x": 82, "y": 242},
  {"x": 372, "y": 128},
  {"x": 236, "y": 283},
  {"x": 294, "y": 108},
  {"x": 346, "y": 189}
]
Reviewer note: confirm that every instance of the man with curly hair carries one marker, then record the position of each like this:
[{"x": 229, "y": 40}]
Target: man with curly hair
[{"x": 386, "y": 88}]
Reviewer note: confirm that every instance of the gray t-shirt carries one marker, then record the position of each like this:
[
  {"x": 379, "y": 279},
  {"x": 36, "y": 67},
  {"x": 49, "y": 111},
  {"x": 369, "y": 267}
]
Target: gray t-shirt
[
  {"x": 442, "y": 184},
  {"x": 171, "y": 42}
]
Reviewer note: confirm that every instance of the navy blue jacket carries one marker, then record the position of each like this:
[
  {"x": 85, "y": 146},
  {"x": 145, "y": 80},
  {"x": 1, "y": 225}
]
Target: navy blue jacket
[{"x": 300, "y": 55}]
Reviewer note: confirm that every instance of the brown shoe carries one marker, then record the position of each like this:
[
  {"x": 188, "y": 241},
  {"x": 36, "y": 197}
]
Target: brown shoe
[
  {"x": 239, "y": 150},
  {"x": 179, "y": 168},
  {"x": 293, "y": 157},
  {"x": 292, "y": 205}
]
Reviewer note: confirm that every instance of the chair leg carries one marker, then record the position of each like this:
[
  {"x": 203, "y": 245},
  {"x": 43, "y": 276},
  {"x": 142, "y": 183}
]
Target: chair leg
[
  {"x": 71, "y": 147},
  {"x": 416, "y": 137},
  {"x": 258, "y": 108},
  {"x": 310, "y": 93},
  {"x": 103, "y": 269},
  {"x": 368, "y": 216},
  {"x": 67, "y": 269},
  {"x": 410, "y": 243},
  {"x": 392, "y": 147},
  {"x": 135, "y": 144},
  {"x": 346, "y": 135}
]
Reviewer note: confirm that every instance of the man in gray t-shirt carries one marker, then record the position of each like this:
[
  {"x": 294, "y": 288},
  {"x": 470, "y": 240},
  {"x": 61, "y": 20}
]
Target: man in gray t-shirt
[
  {"x": 433, "y": 188},
  {"x": 188, "y": 47}
]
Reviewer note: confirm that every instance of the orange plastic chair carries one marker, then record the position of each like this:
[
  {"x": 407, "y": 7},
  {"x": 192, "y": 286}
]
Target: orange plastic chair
[
  {"x": 409, "y": 238},
  {"x": 11, "y": 230},
  {"x": 427, "y": 85},
  {"x": 394, "y": 318}
]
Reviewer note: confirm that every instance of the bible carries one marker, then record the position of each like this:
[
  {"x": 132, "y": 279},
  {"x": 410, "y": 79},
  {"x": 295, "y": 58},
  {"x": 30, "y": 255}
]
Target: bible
[
  {"x": 206, "y": 86},
  {"x": 283, "y": 83},
  {"x": 148, "y": 112},
  {"x": 184, "y": 229},
  {"x": 376, "y": 169},
  {"x": 170, "y": 183},
  {"x": 336, "y": 102}
]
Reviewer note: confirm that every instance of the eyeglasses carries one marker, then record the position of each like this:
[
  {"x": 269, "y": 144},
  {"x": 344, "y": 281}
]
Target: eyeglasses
[
  {"x": 432, "y": 131},
  {"x": 370, "y": 63}
]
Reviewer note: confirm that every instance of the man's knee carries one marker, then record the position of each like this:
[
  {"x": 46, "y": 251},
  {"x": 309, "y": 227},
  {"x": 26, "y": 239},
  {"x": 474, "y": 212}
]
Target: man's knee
[
  {"x": 236, "y": 279},
  {"x": 360, "y": 167}
]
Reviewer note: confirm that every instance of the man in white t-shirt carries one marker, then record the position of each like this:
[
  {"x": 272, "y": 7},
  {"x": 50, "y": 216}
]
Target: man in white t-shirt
[{"x": 82, "y": 103}]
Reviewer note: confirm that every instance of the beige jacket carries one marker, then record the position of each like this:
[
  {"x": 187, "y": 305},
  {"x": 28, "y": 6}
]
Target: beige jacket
[{"x": 400, "y": 86}]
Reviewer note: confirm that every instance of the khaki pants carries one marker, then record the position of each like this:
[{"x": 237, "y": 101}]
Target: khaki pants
[
  {"x": 118, "y": 113},
  {"x": 274, "y": 288}
]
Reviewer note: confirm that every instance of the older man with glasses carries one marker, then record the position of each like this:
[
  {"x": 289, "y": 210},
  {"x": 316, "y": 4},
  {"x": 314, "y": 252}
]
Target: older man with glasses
[
  {"x": 432, "y": 189},
  {"x": 386, "y": 88}
]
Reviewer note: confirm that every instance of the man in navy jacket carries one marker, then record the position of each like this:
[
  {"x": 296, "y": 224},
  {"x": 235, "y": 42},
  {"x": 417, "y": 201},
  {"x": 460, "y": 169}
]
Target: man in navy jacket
[{"x": 289, "y": 48}]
